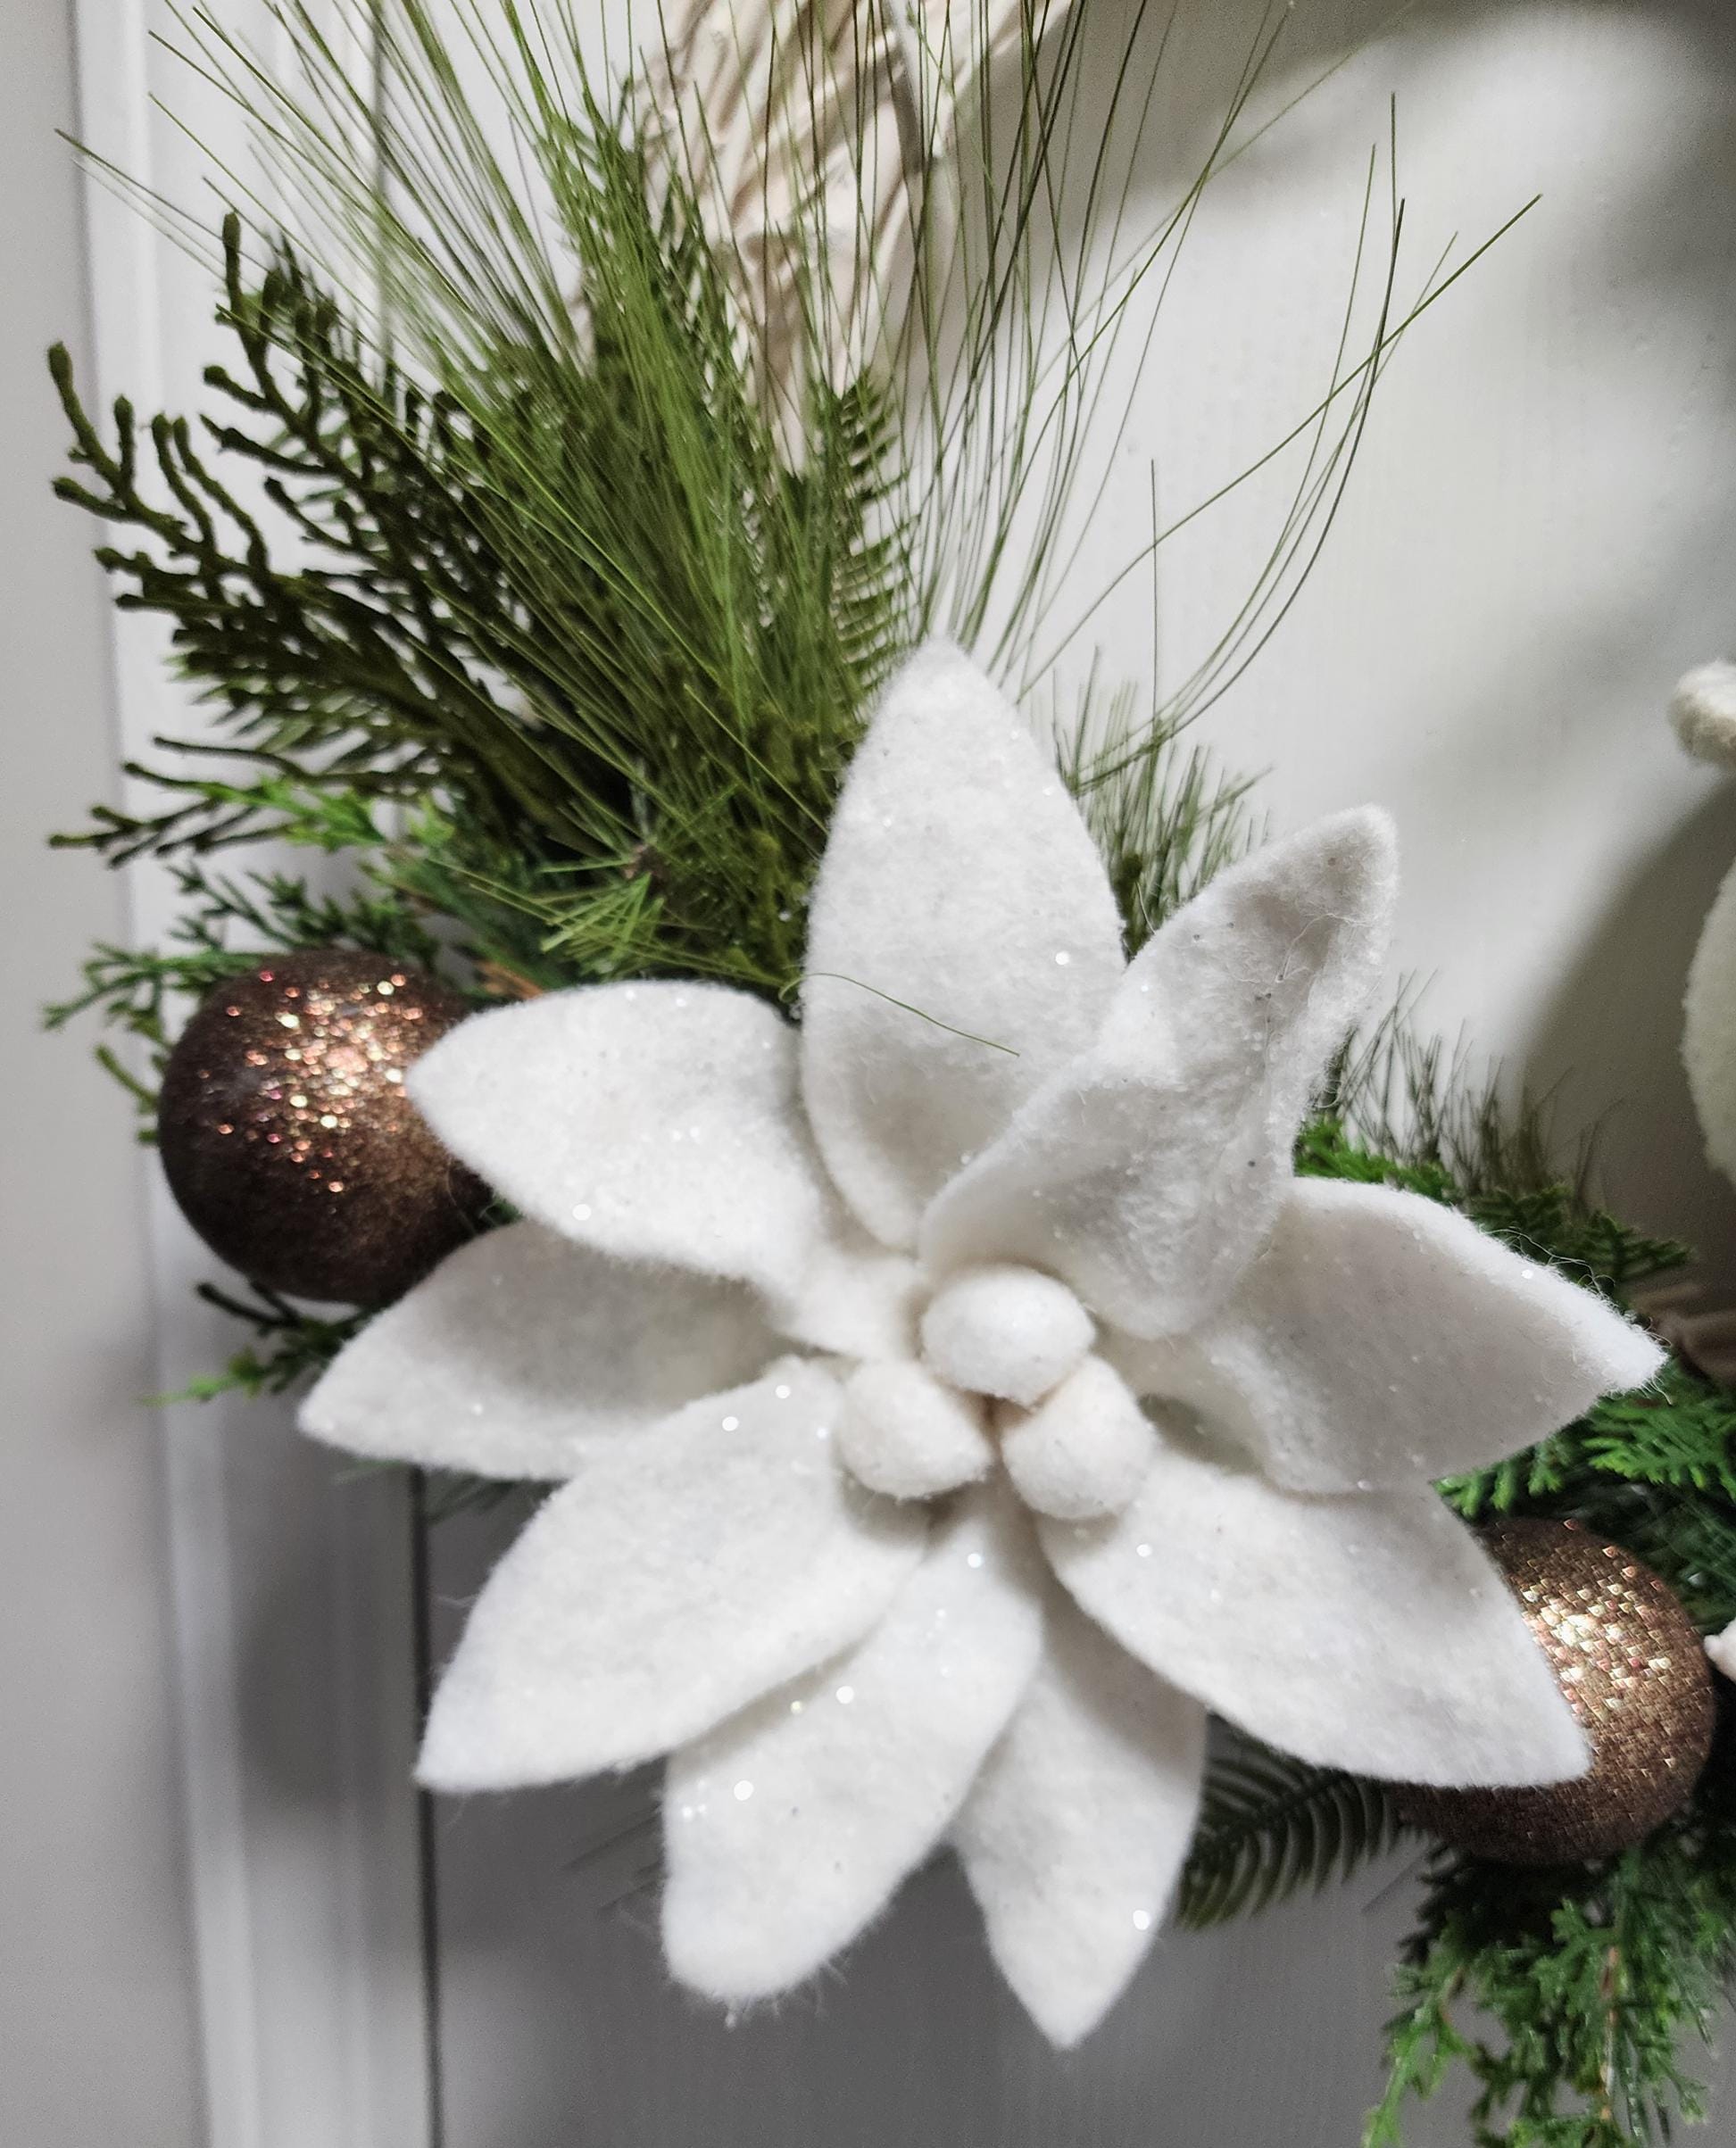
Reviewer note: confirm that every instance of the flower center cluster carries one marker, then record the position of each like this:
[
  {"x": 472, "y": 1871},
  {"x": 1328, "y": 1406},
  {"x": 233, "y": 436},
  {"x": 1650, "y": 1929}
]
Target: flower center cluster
[{"x": 1005, "y": 1373}]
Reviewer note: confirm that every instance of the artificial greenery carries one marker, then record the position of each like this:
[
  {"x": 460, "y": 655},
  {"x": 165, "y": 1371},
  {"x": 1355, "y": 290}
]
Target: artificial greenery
[{"x": 523, "y": 616}]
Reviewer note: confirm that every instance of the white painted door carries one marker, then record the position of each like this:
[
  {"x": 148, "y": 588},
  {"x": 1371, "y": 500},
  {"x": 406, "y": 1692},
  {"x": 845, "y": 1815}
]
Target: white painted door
[{"x": 1541, "y": 535}]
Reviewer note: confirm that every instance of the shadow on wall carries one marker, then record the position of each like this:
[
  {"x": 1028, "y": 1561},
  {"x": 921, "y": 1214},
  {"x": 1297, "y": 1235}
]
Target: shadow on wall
[
  {"x": 1613, "y": 1029},
  {"x": 1607, "y": 1037}
]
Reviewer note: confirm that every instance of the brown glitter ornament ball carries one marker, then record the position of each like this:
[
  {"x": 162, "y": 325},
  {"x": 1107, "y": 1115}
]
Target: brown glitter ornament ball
[
  {"x": 287, "y": 1138},
  {"x": 1633, "y": 1667}
]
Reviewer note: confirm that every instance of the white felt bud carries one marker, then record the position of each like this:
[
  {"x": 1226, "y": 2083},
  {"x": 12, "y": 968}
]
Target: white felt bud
[
  {"x": 1703, "y": 711},
  {"x": 1006, "y": 1331},
  {"x": 1084, "y": 1450},
  {"x": 905, "y": 1434}
]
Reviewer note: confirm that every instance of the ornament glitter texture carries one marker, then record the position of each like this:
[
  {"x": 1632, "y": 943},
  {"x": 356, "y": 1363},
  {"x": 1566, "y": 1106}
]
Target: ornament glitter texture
[
  {"x": 289, "y": 1140},
  {"x": 1634, "y": 1669}
]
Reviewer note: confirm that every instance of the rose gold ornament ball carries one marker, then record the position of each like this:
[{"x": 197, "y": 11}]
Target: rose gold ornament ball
[
  {"x": 1634, "y": 1669},
  {"x": 289, "y": 1140}
]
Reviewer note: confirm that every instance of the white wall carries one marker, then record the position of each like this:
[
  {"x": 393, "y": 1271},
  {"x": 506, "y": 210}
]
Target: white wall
[{"x": 96, "y": 2023}]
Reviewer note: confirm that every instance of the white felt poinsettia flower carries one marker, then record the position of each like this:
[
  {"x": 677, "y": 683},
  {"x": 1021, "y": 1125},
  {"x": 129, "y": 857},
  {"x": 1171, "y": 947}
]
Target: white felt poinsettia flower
[{"x": 838, "y": 1337}]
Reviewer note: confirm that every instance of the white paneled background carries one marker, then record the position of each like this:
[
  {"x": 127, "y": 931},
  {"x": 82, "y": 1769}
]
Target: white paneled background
[{"x": 1540, "y": 535}]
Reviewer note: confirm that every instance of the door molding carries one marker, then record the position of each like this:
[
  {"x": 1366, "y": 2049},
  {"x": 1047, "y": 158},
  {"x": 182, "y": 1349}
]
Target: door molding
[{"x": 292, "y": 1580}]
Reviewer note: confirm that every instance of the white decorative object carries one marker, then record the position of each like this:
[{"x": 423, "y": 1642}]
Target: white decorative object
[
  {"x": 1703, "y": 711},
  {"x": 1722, "y": 1649},
  {"x": 823, "y": 132},
  {"x": 835, "y": 1335}
]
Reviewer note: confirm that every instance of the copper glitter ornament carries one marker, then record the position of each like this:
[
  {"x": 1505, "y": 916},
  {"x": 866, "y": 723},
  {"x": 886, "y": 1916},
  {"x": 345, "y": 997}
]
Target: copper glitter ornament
[
  {"x": 1632, "y": 1666},
  {"x": 289, "y": 1140}
]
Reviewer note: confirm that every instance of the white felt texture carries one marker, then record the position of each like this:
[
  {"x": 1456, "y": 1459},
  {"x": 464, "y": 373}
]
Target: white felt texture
[
  {"x": 654, "y": 1122},
  {"x": 1709, "y": 1034},
  {"x": 1380, "y": 1338},
  {"x": 1368, "y": 1631},
  {"x": 1721, "y": 1647},
  {"x": 855, "y": 1301},
  {"x": 959, "y": 881},
  {"x": 675, "y": 1579},
  {"x": 1084, "y": 1450},
  {"x": 1703, "y": 711},
  {"x": 521, "y": 1352},
  {"x": 1005, "y": 1331},
  {"x": 905, "y": 1433},
  {"x": 788, "y": 1830},
  {"x": 1150, "y": 1171},
  {"x": 1075, "y": 1832}
]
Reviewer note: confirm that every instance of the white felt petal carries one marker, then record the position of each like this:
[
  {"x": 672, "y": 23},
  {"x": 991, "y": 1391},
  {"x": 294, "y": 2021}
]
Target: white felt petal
[
  {"x": 856, "y": 1299},
  {"x": 1379, "y": 1337},
  {"x": 1084, "y": 1450},
  {"x": 1075, "y": 1832},
  {"x": 521, "y": 1352},
  {"x": 904, "y": 1433},
  {"x": 1149, "y": 1172},
  {"x": 653, "y": 1122},
  {"x": 789, "y": 1828},
  {"x": 1368, "y": 1632},
  {"x": 960, "y": 891},
  {"x": 675, "y": 1579},
  {"x": 1005, "y": 1331}
]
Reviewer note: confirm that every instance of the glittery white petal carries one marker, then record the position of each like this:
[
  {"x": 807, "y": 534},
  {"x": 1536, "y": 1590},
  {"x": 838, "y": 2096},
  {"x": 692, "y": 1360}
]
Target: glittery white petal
[
  {"x": 653, "y": 1122},
  {"x": 674, "y": 1579},
  {"x": 1075, "y": 1831},
  {"x": 1381, "y": 1340},
  {"x": 1368, "y": 1632},
  {"x": 787, "y": 1831},
  {"x": 1149, "y": 1170},
  {"x": 959, "y": 892},
  {"x": 522, "y": 1352}
]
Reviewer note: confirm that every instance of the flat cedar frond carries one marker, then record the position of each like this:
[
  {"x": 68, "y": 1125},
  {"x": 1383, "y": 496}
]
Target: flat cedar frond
[
  {"x": 1589, "y": 1978},
  {"x": 1270, "y": 1824}
]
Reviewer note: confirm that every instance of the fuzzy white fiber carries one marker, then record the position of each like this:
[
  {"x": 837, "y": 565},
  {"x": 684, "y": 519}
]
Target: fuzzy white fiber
[
  {"x": 1136, "y": 1358},
  {"x": 524, "y": 1351},
  {"x": 1721, "y": 1647},
  {"x": 1459, "y": 1348},
  {"x": 962, "y": 945},
  {"x": 653, "y": 1122},
  {"x": 1005, "y": 1331},
  {"x": 1708, "y": 1030},
  {"x": 1368, "y": 1632},
  {"x": 1703, "y": 711},
  {"x": 787, "y": 1831},
  {"x": 1076, "y": 1831},
  {"x": 1149, "y": 1170},
  {"x": 666, "y": 1585},
  {"x": 1084, "y": 1450},
  {"x": 909, "y": 1435}
]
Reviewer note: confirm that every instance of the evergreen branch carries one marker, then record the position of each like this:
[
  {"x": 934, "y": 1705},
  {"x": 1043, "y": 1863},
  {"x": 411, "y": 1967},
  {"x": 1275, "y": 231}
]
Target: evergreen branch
[
  {"x": 291, "y": 1347},
  {"x": 1270, "y": 1826}
]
